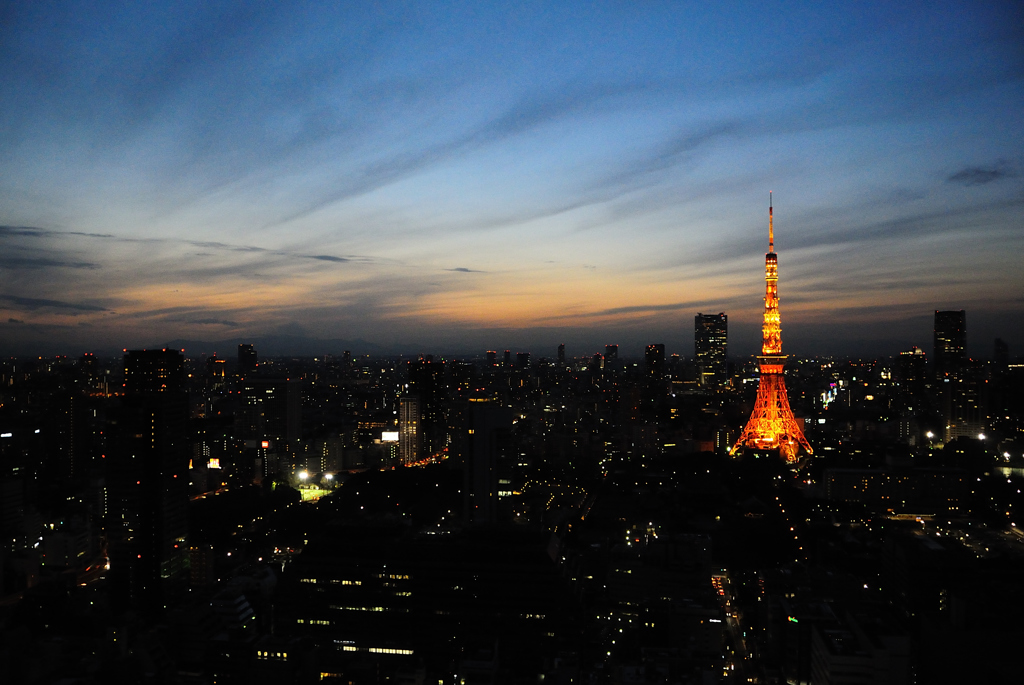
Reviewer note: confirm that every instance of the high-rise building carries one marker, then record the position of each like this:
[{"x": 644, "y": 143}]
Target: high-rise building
[
  {"x": 654, "y": 357},
  {"x": 153, "y": 371},
  {"x": 272, "y": 409},
  {"x": 772, "y": 425},
  {"x": 710, "y": 342},
  {"x": 409, "y": 430},
  {"x": 492, "y": 358},
  {"x": 561, "y": 353},
  {"x": 148, "y": 477},
  {"x": 522, "y": 360},
  {"x": 611, "y": 353},
  {"x": 1000, "y": 353},
  {"x": 486, "y": 440},
  {"x": 965, "y": 397},
  {"x": 950, "y": 341},
  {"x": 247, "y": 361},
  {"x": 215, "y": 372},
  {"x": 912, "y": 370},
  {"x": 427, "y": 383}
]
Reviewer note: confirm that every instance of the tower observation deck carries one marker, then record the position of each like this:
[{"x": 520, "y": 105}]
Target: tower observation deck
[{"x": 772, "y": 426}]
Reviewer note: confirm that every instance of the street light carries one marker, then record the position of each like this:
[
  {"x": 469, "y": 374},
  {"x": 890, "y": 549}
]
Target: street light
[{"x": 303, "y": 475}]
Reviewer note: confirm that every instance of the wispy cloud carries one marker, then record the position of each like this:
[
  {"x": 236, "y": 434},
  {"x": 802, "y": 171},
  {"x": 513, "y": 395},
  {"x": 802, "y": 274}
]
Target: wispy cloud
[
  {"x": 226, "y": 246},
  {"x": 533, "y": 110},
  {"x": 42, "y": 263},
  {"x": 464, "y": 270},
  {"x": 977, "y": 175},
  {"x": 209, "y": 322},
  {"x": 32, "y": 303}
]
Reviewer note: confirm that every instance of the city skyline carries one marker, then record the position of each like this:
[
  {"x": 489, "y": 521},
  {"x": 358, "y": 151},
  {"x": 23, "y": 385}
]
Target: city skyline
[{"x": 459, "y": 178}]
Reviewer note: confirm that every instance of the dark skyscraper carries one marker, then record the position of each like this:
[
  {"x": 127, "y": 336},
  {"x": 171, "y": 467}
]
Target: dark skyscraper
[
  {"x": 247, "y": 362},
  {"x": 427, "y": 383},
  {"x": 561, "y": 353},
  {"x": 215, "y": 374},
  {"x": 486, "y": 440},
  {"x": 153, "y": 371},
  {"x": 272, "y": 409},
  {"x": 611, "y": 353},
  {"x": 654, "y": 358},
  {"x": 1001, "y": 353},
  {"x": 710, "y": 342},
  {"x": 950, "y": 341},
  {"x": 149, "y": 483}
]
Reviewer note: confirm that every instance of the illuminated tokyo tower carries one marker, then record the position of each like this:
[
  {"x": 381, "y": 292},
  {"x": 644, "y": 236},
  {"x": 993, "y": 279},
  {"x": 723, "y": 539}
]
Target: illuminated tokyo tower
[{"x": 772, "y": 425}]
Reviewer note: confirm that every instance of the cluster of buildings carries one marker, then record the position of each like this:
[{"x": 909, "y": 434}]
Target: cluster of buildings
[{"x": 594, "y": 518}]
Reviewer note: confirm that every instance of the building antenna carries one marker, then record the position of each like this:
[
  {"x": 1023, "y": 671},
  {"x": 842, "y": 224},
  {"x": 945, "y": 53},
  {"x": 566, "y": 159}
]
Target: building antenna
[{"x": 771, "y": 230}]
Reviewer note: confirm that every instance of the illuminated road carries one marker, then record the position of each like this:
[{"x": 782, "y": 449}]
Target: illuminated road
[{"x": 742, "y": 670}]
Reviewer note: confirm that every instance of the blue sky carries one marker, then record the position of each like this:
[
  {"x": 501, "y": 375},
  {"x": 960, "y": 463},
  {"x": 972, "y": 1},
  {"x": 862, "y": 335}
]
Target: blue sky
[{"x": 458, "y": 177}]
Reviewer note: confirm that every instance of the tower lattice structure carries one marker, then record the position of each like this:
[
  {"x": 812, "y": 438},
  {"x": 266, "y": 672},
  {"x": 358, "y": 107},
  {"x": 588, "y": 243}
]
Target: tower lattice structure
[{"x": 772, "y": 425}]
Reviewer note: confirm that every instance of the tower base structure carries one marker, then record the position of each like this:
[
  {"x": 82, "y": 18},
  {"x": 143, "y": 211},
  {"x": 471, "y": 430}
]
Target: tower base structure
[{"x": 772, "y": 425}]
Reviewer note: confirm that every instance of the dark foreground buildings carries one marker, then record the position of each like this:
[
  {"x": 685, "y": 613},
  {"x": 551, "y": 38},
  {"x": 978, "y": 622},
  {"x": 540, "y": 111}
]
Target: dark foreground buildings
[
  {"x": 573, "y": 520},
  {"x": 148, "y": 484}
]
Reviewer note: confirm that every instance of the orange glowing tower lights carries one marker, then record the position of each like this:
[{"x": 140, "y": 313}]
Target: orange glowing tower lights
[{"x": 772, "y": 425}]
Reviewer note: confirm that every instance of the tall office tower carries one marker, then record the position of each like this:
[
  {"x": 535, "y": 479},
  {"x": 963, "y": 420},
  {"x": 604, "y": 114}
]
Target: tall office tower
[
  {"x": 153, "y": 371},
  {"x": 215, "y": 372},
  {"x": 427, "y": 382},
  {"x": 950, "y": 341},
  {"x": 247, "y": 362},
  {"x": 409, "y": 430},
  {"x": 561, "y": 353},
  {"x": 271, "y": 409},
  {"x": 492, "y": 358},
  {"x": 522, "y": 360},
  {"x": 710, "y": 343},
  {"x": 1000, "y": 354},
  {"x": 611, "y": 353},
  {"x": 92, "y": 376},
  {"x": 148, "y": 477},
  {"x": 912, "y": 364},
  {"x": 485, "y": 441},
  {"x": 965, "y": 400},
  {"x": 772, "y": 425},
  {"x": 655, "y": 360},
  {"x": 912, "y": 369},
  {"x": 508, "y": 359}
]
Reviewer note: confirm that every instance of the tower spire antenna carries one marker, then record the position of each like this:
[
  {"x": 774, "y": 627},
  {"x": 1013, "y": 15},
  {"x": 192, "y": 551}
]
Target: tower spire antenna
[{"x": 771, "y": 230}]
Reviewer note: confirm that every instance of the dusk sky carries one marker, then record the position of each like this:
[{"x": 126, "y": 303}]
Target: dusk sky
[{"x": 446, "y": 177}]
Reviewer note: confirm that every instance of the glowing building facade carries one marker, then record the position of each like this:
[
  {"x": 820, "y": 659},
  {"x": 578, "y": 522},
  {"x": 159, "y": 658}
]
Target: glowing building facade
[
  {"x": 710, "y": 344},
  {"x": 772, "y": 425},
  {"x": 409, "y": 430}
]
